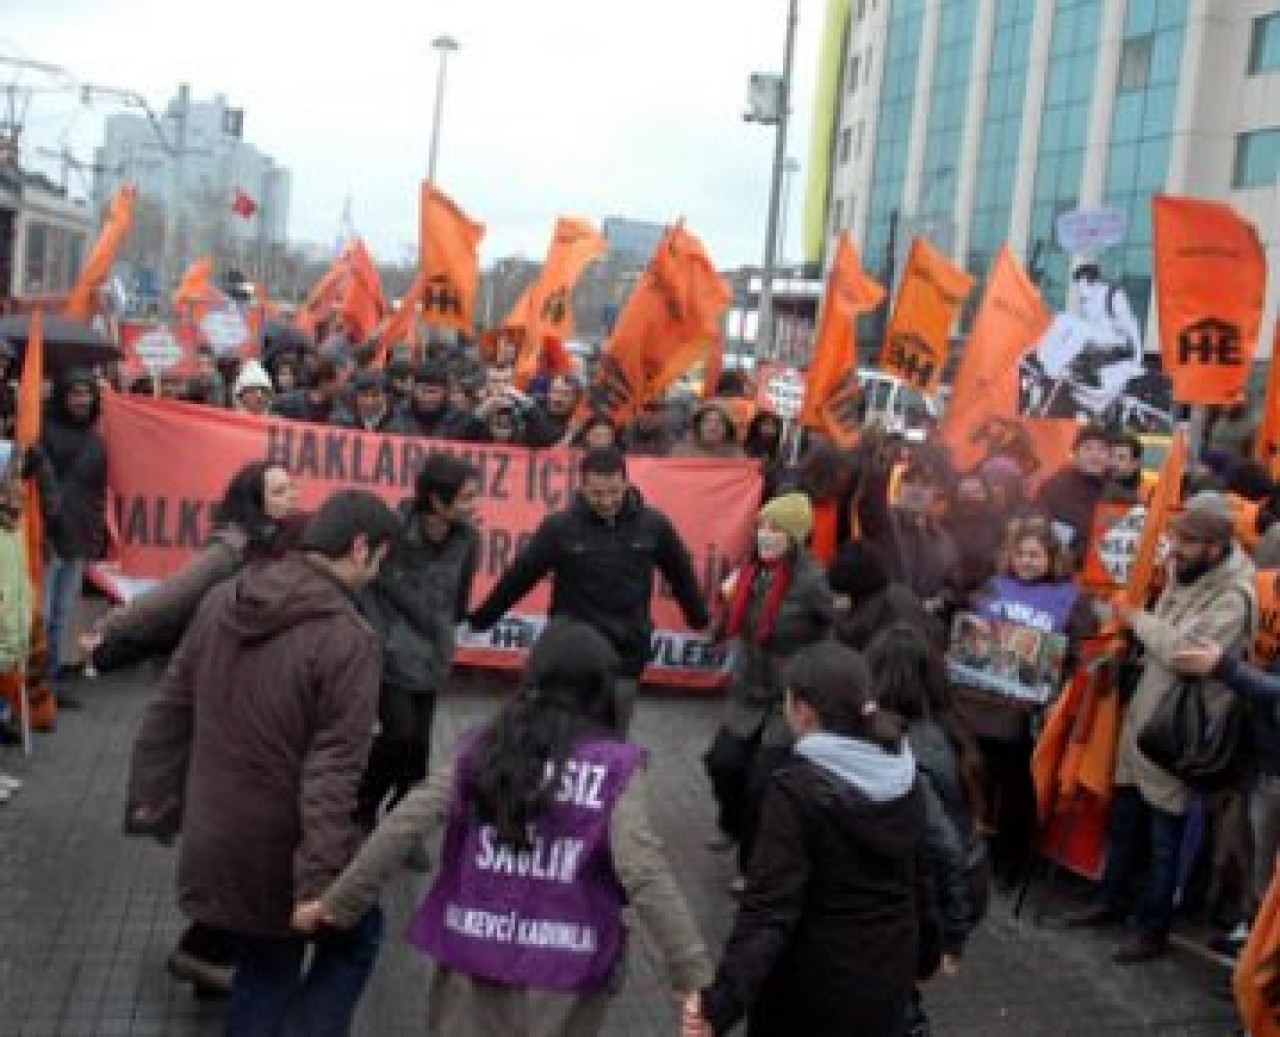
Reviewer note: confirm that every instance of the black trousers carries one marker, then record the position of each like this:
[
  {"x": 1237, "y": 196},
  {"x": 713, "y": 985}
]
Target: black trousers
[
  {"x": 400, "y": 754},
  {"x": 739, "y": 769}
]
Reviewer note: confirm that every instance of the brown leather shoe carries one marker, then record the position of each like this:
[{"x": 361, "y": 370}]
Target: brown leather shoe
[
  {"x": 1143, "y": 947},
  {"x": 1099, "y": 916}
]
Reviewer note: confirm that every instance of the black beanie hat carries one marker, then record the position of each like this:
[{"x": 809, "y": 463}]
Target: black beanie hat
[{"x": 858, "y": 570}]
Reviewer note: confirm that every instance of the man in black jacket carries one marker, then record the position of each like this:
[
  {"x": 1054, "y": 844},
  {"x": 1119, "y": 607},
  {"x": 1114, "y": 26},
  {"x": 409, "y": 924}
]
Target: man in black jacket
[
  {"x": 421, "y": 594},
  {"x": 77, "y": 527},
  {"x": 1070, "y": 496},
  {"x": 601, "y": 553}
]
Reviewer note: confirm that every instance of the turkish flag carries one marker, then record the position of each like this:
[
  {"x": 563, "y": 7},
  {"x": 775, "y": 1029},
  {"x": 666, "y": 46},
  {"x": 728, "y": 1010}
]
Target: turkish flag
[{"x": 242, "y": 205}]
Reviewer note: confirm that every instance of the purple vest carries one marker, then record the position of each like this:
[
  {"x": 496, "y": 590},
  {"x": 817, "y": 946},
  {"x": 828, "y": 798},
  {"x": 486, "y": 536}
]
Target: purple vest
[
  {"x": 1041, "y": 606},
  {"x": 550, "y": 916}
]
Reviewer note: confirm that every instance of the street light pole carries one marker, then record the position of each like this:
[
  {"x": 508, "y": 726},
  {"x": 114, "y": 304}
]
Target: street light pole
[
  {"x": 443, "y": 45},
  {"x": 764, "y": 336}
]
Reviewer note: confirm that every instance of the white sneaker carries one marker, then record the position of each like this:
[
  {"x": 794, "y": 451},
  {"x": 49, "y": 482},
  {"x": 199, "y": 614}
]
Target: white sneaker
[
  {"x": 9, "y": 783},
  {"x": 5, "y": 794}
]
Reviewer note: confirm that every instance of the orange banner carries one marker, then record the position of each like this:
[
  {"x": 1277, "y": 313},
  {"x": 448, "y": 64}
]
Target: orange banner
[
  {"x": 448, "y": 261},
  {"x": 1266, "y": 447},
  {"x": 671, "y": 319},
  {"x": 549, "y": 306},
  {"x": 1010, "y": 319},
  {"x": 917, "y": 343},
  {"x": 1165, "y": 497},
  {"x": 832, "y": 393},
  {"x": 162, "y": 510},
  {"x": 81, "y": 303},
  {"x": 1211, "y": 284}
]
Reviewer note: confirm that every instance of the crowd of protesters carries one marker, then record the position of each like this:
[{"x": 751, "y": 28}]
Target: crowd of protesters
[{"x": 870, "y": 799}]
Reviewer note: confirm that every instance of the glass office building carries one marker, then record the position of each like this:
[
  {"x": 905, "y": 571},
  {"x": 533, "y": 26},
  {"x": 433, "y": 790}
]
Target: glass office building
[{"x": 976, "y": 122}]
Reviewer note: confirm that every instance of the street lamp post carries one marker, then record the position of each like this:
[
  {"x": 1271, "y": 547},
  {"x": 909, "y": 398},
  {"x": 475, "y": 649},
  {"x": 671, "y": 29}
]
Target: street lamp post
[
  {"x": 443, "y": 45},
  {"x": 764, "y": 335}
]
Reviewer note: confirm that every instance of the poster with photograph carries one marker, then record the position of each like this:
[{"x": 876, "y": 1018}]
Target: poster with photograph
[{"x": 1005, "y": 658}]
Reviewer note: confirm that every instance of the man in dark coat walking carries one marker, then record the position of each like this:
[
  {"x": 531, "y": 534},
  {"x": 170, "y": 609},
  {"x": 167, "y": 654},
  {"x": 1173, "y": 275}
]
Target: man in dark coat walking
[
  {"x": 254, "y": 745},
  {"x": 601, "y": 553}
]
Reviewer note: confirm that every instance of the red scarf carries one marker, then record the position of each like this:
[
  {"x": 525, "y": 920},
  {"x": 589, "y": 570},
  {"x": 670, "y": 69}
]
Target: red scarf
[{"x": 741, "y": 601}]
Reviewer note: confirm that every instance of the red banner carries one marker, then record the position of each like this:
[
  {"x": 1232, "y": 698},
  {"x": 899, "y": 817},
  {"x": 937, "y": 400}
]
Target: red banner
[
  {"x": 168, "y": 349},
  {"x": 161, "y": 510}
]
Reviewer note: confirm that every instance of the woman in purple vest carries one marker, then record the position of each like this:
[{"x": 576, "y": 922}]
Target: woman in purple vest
[
  {"x": 547, "y": 836},
  {"x": 1034, "y": 588}
]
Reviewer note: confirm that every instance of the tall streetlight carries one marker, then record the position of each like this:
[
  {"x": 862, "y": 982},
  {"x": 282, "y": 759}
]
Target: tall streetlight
[
  {"x": 442, "y": 45},
  {"x": 773, "y": 110}
]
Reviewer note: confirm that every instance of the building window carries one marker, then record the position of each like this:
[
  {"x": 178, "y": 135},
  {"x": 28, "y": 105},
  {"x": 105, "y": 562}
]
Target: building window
[
  {"x": 862, "y": 11},
  {"x": 866, "y": 69},
  {"x": 854, "y": 64},
  {"x": 857, "y": 145},
  {"x": 1257, "y": 159},
  {"x": 1264, "y": 47},
  {"x": 1135, "y": 63},
  {"x": 837, "y": 217},
  {"x": 846, "y": 145}
]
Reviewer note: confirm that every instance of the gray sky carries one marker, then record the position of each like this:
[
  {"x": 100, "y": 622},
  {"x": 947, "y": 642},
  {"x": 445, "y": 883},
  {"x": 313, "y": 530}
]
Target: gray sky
[{"x": 575, "y": 107}]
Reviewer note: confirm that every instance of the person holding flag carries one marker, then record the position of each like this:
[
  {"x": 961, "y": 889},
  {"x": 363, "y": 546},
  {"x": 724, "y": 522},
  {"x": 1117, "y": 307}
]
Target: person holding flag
[{"x": 1208, "y": 596}]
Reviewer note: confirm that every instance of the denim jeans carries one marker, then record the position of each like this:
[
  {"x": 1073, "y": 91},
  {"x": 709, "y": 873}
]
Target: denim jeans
[
  {"x": 273, "y": 996},
  {"x": 1133, "y": 821},
  {"x": 63, "y": 578}
]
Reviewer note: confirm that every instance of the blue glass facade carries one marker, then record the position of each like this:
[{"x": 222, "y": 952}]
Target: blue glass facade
[
  {"x": 1064, "y": 129},
  {"x": 1141, "y": 135},
  {"x": 1001, "y": 129},
  {"x": 948, "y": 98},
  {"x": 893, "y": 126}
]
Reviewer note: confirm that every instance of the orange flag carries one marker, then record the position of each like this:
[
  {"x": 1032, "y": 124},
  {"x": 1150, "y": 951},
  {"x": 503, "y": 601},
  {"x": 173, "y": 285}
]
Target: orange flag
[
  {"x": 548, "y": 310},
  {"x": 1010, "y": 319},
  {"x": 1266, "y": 448},
  {"x": 26, "y": 433},
  {"x": 362, "y": 304},
  {"x": 196, "y": 292},
  {"x": 1256, "y": 980},
  {"x": 1165, "y": 496},
  {"x": 401, "y": 325},
  {"x": 1211, "y": 282},
  {"x": 81, "y": 302},
  {"x": 671, "y": 318},
  {"x": 932, "y": 291},
  {"x": 449, "y": 261},
  {"x": 323, "y": 297},
  {"x": 831, "y": 384}
]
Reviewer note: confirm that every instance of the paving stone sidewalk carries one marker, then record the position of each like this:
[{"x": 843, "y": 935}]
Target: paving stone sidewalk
[{"x": 87, "y": 916}]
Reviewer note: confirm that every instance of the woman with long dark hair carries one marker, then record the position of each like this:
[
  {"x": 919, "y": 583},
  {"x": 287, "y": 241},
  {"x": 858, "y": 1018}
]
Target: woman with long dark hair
[
  {"x": 909, "y": 676},
  {"x": 547, "y": 836}
]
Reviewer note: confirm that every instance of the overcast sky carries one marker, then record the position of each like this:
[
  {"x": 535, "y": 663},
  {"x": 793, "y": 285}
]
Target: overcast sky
[{"x": 576, "y": 107}]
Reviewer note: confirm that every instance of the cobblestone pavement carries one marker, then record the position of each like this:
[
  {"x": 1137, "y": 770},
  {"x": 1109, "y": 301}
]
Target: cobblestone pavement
[{"x": 87, "y": 917}]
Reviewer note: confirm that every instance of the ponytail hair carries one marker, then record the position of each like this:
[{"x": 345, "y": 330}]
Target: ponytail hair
[{"x": 833, "y": 680}]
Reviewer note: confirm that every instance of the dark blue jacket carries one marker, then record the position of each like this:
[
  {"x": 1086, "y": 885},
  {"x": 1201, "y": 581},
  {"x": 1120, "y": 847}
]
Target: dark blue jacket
[{"x": 1261, "y": 690}]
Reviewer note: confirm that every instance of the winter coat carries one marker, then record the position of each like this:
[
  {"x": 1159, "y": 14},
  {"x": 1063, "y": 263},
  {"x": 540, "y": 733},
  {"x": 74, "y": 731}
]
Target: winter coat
[
  {"x": 300, "y": 405},
  {"x": 389, "y": 422},
  {"x": 957, "y": 855},
  {"x": 602, "y": 573},
  {"x": 421, "y": 594},
  {"x": 1220, "y": 607},
  {"x": 543, "y": 429},
  {"x": 920, "y": 553},
  {"x": 78, "y": 459},
  {"x": 888, "y": 607},
  {"x": 260, "y": 730},
  {"x": 1070, "y": 497},
  {"x": 445, "y": 423},
  {"x": 805, "y": 614},
  {"x": 1261, "y": 690},
  {"x": 836, "y": 921},
  {"x": 642, "y": 870},
  {"x": 154, "y": 622}
]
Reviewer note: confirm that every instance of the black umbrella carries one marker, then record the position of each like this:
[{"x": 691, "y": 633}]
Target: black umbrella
[{"x": 67, "y": 343}]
